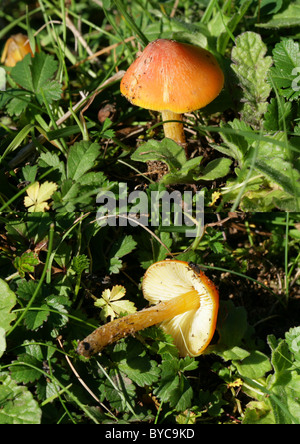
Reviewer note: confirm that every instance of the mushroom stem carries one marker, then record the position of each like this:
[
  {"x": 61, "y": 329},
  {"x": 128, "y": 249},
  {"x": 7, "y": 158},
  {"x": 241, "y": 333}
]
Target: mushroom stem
[
  {"x": 173, "y": 130},
  {"x": 119, "y": 328}
]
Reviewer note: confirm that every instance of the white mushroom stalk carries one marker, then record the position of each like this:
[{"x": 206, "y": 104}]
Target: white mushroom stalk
[{"x": 186, "y": 307}]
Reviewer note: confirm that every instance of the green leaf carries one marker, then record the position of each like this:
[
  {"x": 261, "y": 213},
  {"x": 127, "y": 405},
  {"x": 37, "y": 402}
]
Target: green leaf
[
  {"x": 35, "y": 318},
  {"x": 26, "y": 369},
  {"x": 280, "y": 172},
  {"x": 21, "y": 73},
  {"x": 258, "y": 412},
  {"x": 2, "y": 341},
  {"x": 7, "y": 302},
  {"x": 122, "y": 247},
  {"x": 278, "y": 115},
  {"x": 251, "y": 67},
  {"x": 35, "y": 75},
  {"x": 174, "y": 387},
  {"x": 19, "y": 102},
  {"x": 81, "y": 158},
  {"x": 181, "y": 170},
  {"x": 237, "y": 145},
  {"x": 254, "y": 366},
  {"x": 26, "y": 289},
  {"x": 173, "y": 155},
  {"x": 80, "y": 264},
  {"x": 166, "y": 151},
  {"x": 2, "y": 79},
  {"x": 17, "y": 405},
  {"x": 215, "y": 169},
  {"x": 288, "y": 18},
  {"x": 293, "y": 340},
  {"x": 29, "y": 172},
  {"x": 26, "y": 263},
  {"x": 136, "y": 364},
  {"x": 119, "y": 390},
  {"x": 285, "y": 73},
  {"x": 51, "y": 160}
]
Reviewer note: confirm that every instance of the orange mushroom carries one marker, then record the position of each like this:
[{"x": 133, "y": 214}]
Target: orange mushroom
[
  {"x": 15, "y": 49},
  {"x": 187, "y": 305},
  {"x": 173, "y": 78}
]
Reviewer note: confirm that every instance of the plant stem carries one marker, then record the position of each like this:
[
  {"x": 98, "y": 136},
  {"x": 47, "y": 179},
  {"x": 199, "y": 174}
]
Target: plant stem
[{"x": 286, "y": 256}]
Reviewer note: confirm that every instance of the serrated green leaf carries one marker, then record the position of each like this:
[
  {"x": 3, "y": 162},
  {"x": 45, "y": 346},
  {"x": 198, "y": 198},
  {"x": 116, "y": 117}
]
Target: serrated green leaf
[
  {"x": 166, "y": 151},
  {"x": 26, "y": 289},
  {"x": 2, "y": 79},
  {"x": 52, "y": 160},
  {"x": 136, "y": 364},
  {"x": 251, "y": 65},
  {"x": 26, "y": 263},
  {"x": 26, "y": 369},
  {"x": 280, "y": 172},
  {"x": 7, "y": 302},
  {"x": 258, "y": 412},
  {"x": 119, "y": 390},
  {"x": 17, "y": 405},
  {"x": 35, "y": 75},
  {"x": 29, "y": 172},
  {"x": 293, "y": 340},
  {"x": 2, "y": 341},
  {"x": 21, "y": 73},
  {"x": 285, "y": 73},
  {"x": 173, "y": 155},
  {"x": 115, "y": 265},
  {"x": 174, "y": 388},
  {"x": 121, "y": 248},
  {"x": 278, "y": 115},
  {"x": 59, "y": 317},
  {"x": 80, "y": 263},
  {"x": 285, "y": 19},
  {"x": 81, "y": 158},
  {"x": 35, "y": 318},
  {"x": 125, "y": 246}
]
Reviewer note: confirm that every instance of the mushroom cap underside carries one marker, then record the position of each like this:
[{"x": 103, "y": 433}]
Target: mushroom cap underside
[{"x": 193, "y": 330}]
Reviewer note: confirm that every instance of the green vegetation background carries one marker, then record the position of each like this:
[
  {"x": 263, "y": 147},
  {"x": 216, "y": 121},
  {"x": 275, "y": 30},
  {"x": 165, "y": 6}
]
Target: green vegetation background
[{"x": 66, "y": 132}]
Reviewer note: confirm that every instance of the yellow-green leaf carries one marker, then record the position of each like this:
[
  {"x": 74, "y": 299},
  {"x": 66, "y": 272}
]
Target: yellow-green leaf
[
  {"x": 38, "y": 195},
  {"x": 111, "y": 305}
]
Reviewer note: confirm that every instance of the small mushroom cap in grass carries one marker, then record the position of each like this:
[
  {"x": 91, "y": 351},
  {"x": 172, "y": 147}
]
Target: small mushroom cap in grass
[
  {"x": 15, "y": 49},
  {"x": 172, "y": 76},
  {"x": 186, "y": 307},
  {"x": 193, "y": 329}
]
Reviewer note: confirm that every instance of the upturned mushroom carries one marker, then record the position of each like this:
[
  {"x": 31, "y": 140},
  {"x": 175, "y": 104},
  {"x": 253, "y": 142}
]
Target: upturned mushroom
[
  {"x": 186, "y": 307},
  {"x": 15, "y": 49},
  {"x": 173, "y": 78}
]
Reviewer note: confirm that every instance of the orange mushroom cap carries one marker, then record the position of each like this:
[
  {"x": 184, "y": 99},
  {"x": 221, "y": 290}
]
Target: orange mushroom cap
[
  {"x": 172, "y": 76},
  {"x": 15, "y": 49}
]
